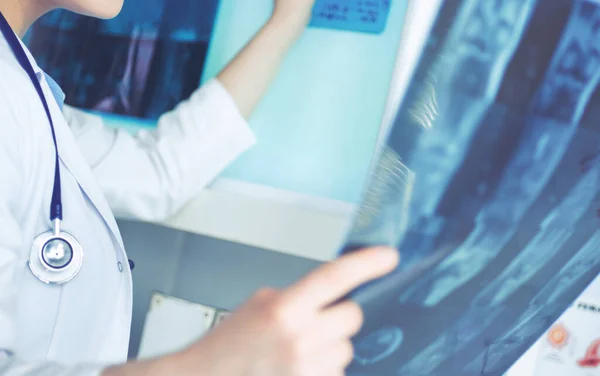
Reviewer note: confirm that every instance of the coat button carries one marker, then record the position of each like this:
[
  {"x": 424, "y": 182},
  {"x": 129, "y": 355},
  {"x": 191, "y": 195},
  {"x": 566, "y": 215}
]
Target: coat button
[{"x": 120, "y": 266}]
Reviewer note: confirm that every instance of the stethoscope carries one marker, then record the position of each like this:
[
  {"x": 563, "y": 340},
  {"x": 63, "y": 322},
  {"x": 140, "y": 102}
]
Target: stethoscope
[{"x": 55, "y": 256}]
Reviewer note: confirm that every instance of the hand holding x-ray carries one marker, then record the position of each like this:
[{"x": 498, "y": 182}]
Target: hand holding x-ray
[{"x": 304, "y": 330}]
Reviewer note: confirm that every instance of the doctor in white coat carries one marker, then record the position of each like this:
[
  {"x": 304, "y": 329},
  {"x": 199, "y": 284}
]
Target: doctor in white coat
[{"x": 81, "y": 327}]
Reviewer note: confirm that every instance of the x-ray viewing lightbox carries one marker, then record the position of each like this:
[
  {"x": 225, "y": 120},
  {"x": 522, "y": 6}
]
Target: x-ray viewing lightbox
[
  {"x": 318, "y": 125},
  {"x": 316, "y": 128}
]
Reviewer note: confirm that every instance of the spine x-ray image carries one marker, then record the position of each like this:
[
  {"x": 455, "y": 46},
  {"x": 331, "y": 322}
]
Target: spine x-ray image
[{"x": 489, "y": 185}]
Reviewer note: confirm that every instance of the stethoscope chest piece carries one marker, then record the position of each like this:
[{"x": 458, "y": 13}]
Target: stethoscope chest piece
[{"x": 56, "y": 256}]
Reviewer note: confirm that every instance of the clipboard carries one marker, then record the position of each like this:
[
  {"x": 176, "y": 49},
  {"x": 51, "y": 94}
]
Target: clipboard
[{"x": 172, "y": 324}]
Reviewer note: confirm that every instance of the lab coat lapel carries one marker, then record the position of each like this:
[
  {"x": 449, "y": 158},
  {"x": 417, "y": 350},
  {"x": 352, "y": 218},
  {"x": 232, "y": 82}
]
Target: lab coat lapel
[
  {"x": 69, "y": 152},
  {"x": 74, "y": 161}
]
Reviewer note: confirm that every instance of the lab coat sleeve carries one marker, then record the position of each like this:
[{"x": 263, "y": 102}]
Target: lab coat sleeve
[{"x": 151, "y": 174}]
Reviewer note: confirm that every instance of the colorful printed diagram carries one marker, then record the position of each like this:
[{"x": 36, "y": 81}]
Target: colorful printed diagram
[{"x": 592, "y": 356}]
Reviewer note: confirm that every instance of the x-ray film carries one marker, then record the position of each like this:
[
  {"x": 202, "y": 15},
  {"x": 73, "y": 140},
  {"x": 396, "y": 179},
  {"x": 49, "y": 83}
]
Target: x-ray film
[
  {"x": 366, "y": 16},
  {"x": 489, "y": 185},
  {"x": 121, "y": 67}
]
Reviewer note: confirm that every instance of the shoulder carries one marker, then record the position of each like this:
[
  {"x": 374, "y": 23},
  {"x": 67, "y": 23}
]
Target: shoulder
[
  {"x": 17, "y": 116},
  {"x": 15, "y": 91},
  {"x": 20, "y": 108},
  {"x": 14, "y": 114}
]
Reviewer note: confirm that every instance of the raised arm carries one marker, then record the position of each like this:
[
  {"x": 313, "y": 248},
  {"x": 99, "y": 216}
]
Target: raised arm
[{"x": 249, "y": 75}]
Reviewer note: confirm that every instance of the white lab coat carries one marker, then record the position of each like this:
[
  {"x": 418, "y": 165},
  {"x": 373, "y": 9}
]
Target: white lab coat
[{"x": 82, "y": 326}]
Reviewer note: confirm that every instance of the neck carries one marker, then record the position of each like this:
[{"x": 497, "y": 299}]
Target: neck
[{"x": 21, "y": 14}]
